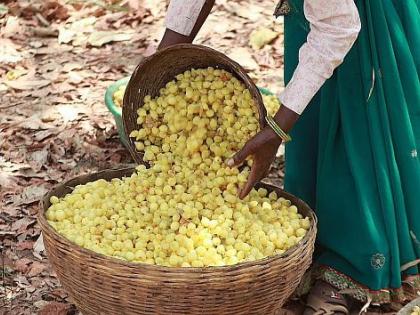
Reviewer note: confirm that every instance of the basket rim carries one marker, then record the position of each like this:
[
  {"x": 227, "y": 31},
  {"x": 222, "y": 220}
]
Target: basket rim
[
  {"x": 47, "y": 228},
  {"x": 406, "y": 310},
  {"x": 260, "y": 108}
]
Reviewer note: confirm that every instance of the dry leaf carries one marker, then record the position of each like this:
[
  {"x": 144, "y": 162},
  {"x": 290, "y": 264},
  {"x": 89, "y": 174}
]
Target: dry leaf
[
  {"x": 134, "y": 4},
  {"x": 250, "y": 12},
  {"x": 280, "y": 151},
  {"x": 41, "y": 304},
  {"x": 43, "y": 134},
  {"x": 222, "y": 28},
  {"x": 71, "y": 66},
  {"x": 39, "y": 247},
  {"x": 3, "y": 87},
  {"x": 83, "y": 25},
  {"x": 261, "y": 37},
  {"x": 29, "y": 195},
  {"x": 11, "y": 28},
  {"x": 75, "y": 77},
  {"x": 55, "y": 308},
  {"x": 155, "y": 7},
  {"x": 80, "y": 40},
  {"x": 242, "y": 56},
  {"x": 53, "y": 10},
  {"x": 65, "y": 35},
  {"x": 38, "y": 159},
  {"x": 36, "y": 44},
  {"x": 70, "y": 112},
  {"x": 22, "y": 225},
  {"x": 33, "y": 123},
  {"x": 26, "y": 84},
  {"x": 7, "y": 180},
  {"x": 25, "y": 245},
  {"x": 36, "y": 269},
  {"x": 52, "y": 76},
  {"x": 22, "y": 265},
  {"x": 9, "y": 52},
  {"x": 76, "y": 31},
  {"x": 53, "y": 49},
  {"x": 100, "y": 38},
  {"x": 41, "y": 93}
]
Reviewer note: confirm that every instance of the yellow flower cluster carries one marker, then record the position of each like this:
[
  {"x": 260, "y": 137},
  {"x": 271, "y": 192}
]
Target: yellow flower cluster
[
  {"x": 183, "y": 211},
  {"x": 203, "y": 114},
  {"x": 271, "y": 102},
  {"x": 118, "y": 96}
]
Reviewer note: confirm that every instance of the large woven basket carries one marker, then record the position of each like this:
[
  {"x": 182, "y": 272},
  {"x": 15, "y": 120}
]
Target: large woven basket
[
  {"x": 103, "y": 285},
  {"x": 155, "y": 71},
  {"x": 408, "y": 309}
]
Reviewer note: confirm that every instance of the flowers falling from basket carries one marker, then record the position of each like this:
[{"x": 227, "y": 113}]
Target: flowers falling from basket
[
  {"x": 271, "y": 102},
  {"x": 183, "y": 211}
]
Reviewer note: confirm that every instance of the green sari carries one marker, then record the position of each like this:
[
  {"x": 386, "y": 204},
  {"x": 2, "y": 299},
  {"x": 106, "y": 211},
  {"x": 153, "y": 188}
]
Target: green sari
[{"x": 354, "y": 155}]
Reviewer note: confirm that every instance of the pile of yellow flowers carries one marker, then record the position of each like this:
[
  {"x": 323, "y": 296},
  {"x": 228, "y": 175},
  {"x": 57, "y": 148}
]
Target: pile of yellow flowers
[
  {"x": 416, "y": 310},
  {"x": 183, "y": 211}
]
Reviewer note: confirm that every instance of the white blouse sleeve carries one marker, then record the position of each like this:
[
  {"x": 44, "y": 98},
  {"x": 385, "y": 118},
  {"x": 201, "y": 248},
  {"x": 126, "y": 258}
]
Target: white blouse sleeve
[
  {"x": 182, "y": 15},
  {"x": 334, "y": 27}
]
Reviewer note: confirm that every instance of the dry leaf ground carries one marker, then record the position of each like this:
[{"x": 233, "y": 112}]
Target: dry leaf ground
[{"x": 57, "y": 57}]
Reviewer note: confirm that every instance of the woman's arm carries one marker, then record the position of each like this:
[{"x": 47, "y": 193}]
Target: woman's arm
[
  {"x": 184, "y": 19},
  {"x": 335, "y": 25}
]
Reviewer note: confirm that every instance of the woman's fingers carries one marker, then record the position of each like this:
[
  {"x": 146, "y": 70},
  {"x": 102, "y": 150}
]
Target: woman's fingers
[
  {"x": 252, "y": 179},
  {"x": 263, "y": 149},
  {"x": 241, "y": 155}
]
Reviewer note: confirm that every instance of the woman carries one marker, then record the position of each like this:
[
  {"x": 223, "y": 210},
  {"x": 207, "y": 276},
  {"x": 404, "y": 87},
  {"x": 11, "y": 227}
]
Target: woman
[{"x": 356, "y": 132}]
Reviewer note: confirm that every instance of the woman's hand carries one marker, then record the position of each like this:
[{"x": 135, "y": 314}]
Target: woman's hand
[{"x": 263, "y": 148}]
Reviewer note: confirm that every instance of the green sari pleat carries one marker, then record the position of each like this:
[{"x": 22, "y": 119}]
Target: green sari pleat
[{"x": 354, "y": 151}]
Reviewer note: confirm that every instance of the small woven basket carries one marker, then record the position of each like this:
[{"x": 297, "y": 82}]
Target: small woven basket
[
  {"x": 103, "y": 285},
  {"x": 154, "y": 72}
]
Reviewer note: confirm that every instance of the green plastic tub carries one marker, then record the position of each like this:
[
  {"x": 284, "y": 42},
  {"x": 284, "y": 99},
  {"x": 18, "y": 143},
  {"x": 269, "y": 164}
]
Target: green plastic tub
[
  {"x": 117, "y": 113},
  {"x": 115, "y": 110}
]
